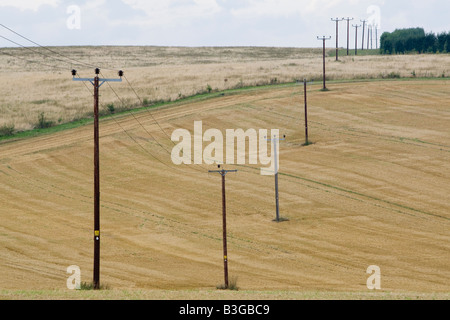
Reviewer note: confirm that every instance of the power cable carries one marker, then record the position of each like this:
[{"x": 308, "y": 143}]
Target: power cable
[{"x": 50, "y": 50}]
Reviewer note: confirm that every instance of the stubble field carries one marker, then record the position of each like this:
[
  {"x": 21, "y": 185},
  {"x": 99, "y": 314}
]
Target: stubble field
[{"x": 372, "y": 189}]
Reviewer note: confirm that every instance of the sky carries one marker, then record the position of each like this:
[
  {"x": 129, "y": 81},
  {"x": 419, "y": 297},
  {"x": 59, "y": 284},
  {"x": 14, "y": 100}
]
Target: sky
[{"x": 275, "y": 23}]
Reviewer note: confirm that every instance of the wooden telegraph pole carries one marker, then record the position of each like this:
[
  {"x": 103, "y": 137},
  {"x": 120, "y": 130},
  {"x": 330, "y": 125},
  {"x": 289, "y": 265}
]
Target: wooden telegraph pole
[
  {"x": 356, "y": 38},
  {"x": 337, "y": 20},
  {"x": 97, "y": 83},
  {"x": 306, "y": 112},
  {"x": 223, "y": 173},
  {"x": 364, "y": 30},
  {"x": 324, "y": 39},
  {"x": 305, "y": 90},
  {"x": 348, "y": 34}
]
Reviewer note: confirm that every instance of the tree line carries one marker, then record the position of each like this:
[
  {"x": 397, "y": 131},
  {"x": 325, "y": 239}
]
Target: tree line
[{"x": 414, "y": 40}]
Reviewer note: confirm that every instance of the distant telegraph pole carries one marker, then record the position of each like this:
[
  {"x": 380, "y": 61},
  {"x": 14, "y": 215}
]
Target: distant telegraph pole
[
  {"x": 97, "y": 83},
  {"x": 364, "y": 30},
  {"x": 371, "y": 37},
  {"x": 223, "y": 173},
  {"x": 376, "y": 36},
  {"x": 306, "y": 112},
  {"x": 348, "y": 34},
  {"x": 324, "y": 39},
  {"x": 337, "y": 20},
  {"x": 305, "y": 85},
  {"x": 356, "y": 38}
]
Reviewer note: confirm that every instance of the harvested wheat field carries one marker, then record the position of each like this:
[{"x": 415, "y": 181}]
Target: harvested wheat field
[{"x": 372, "y": 189}]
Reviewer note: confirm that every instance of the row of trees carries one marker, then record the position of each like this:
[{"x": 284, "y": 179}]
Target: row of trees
[{"x": 414, "y": 40}]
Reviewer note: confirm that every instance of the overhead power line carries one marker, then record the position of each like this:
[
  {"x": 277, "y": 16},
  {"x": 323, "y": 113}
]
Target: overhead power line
[
  {"x": 32, "y": 61},
  {"x": 78, "y": 62},
  {"x": 71, "y": 60},
  {"x": 140, "y": 123},
  {"x": 33, "y": 50},
  {"x": 157, "y": 123},
  {"x": 81, "y": 63},
  {"x": 142, "y": 103},
  {"x": 149, "y": 133}
]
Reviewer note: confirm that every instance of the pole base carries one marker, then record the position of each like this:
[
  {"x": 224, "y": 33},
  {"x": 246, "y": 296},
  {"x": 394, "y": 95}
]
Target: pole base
[{"x": 281, "y": 219}]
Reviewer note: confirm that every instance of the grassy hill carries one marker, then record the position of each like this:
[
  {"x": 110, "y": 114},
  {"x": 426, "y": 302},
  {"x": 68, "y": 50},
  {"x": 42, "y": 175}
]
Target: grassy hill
[{"x": 37, "y": 84}]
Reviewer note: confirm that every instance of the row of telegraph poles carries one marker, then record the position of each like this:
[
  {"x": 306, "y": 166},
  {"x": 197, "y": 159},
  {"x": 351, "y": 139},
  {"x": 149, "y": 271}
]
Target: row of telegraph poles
[
  {"x": 97, "y": 82},
  {"x": 370, "y": 30},
  {"x": 356, "y": 26}
]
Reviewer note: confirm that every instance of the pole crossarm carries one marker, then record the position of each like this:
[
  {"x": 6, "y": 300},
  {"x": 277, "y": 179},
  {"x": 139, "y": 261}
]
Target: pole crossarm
[
  {"x": 100, "y": 80},
  {"x": 222, "y": 172}
]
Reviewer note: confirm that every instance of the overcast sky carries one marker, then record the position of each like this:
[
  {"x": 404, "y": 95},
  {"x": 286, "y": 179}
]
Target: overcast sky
[{"x": 291, "y": 23}]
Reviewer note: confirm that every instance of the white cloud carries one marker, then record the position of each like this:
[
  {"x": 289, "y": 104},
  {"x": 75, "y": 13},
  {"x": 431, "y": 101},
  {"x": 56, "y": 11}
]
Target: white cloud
[
  {"x": 158, "y": 11},
  {"x": 93, "y": 4},
  {"x": 289, "y": 8},
  {"x": 277, "y": 7},
  {"x": 28, "y": 4}
]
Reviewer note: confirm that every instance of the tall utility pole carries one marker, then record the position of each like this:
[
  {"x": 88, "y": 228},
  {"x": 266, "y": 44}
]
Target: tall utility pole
[
  {"x": 223, "y": 173},
  {"x": 97, "y": 83},
  {"x": 376, "y": 36},
  {"x": 368, "y": 36},
  {"x": 371, "y": 37},
  {"x": 324, "y": 39},
  {"x": 274, "y": 141},
  {"x": 305, "y": 85},
  {"x": 306, "y": 112},
  {"x": 356, "y": 38},
  {"x": 337, "y": 36},
  {"x": 348, "y": 34},
  {"x": 364, "y": 30}
]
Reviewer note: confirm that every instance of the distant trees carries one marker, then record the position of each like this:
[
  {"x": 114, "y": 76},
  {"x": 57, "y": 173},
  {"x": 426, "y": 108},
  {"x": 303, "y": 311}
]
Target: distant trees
[{"x": 414, "y": 40}]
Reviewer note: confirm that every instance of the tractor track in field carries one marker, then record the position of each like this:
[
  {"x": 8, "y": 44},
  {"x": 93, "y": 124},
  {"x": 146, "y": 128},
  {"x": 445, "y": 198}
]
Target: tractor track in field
[
  {"x": 145, "y": 215},
  {"x": 365, "y": 134},
  {"x": 351, "y": 193}
]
